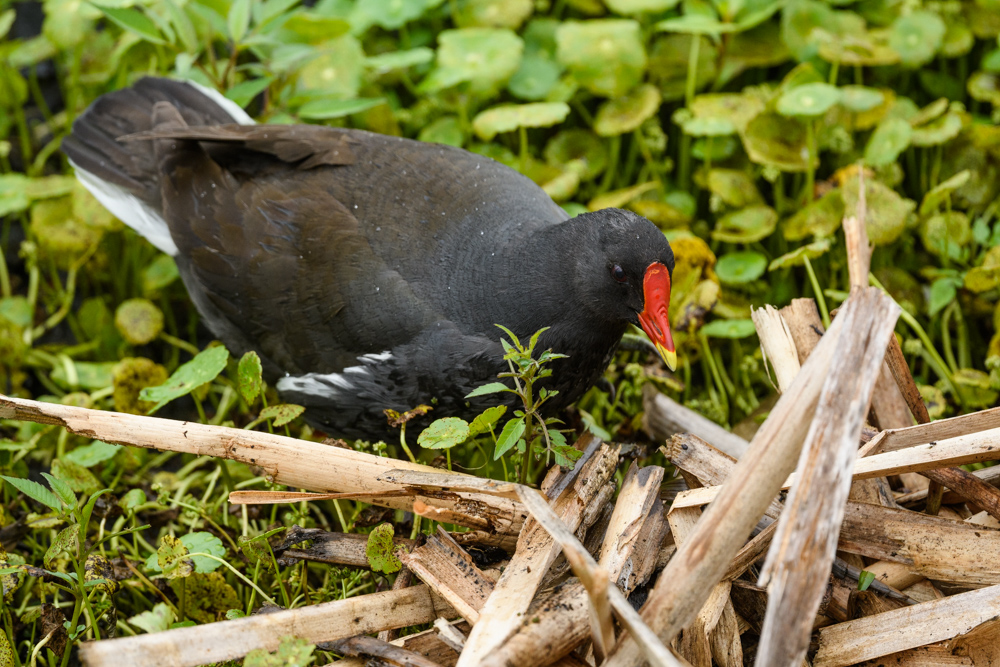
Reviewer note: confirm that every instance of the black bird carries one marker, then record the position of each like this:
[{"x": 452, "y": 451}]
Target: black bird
[{"x": 368, "y": 271}]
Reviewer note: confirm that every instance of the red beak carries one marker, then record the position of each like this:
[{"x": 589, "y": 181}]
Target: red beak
[{"x": 654, "y": 319}]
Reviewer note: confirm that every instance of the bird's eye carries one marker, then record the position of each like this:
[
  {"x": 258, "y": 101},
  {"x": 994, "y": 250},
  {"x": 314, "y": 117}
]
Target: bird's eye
[{"x": 618, "y": 273}]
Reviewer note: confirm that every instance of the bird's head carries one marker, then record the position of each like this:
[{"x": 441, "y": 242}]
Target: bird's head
[{"x": 626, "y": 271}]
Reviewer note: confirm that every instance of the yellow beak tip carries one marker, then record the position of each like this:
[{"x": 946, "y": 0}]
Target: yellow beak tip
[{"x": 669, "y": 357}]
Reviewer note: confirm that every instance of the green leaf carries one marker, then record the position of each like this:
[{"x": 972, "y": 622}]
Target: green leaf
[
  {"x": 511, "y": 433},
  {"x": 507, "y": 117},
  {"x": 203, "y": 368},
  {"x": 386, "y": 62},
  {"x": 444, "y": 433},
  {"x": 172, "y": 552},
  {"x": 737, "y": 268},
  {"x": 491, "y": 388},
  {"x": 888, "y": 141},
  {"x": 13, "y": 195},
  {"x": 327, "y": 109},
  {"x": 66, "y": 542},
  {"x": 940, "y": 193},
  {"x": 139, "y": 321},
  {"x": 90, "y": 455},
  {"x": 6, "y": 21},
  {"x": 256, "y": 550},
  {"x": 798, "y": 256},
  {"x": 606, "y": 56},
  {"x": 729, "y": 329},
  {"x": 135, "y": 22},
  {"x": 943, "y": 292},
  {"x": 244, "y": 92},
  {"x": 250, "y": 377},
  {"x": 132, "y": 500},
  {"x": 157, "y": 619},
  {"x": 865, "y": 580},
  {"x": 35, "y": 491},
  {"x": 62, "y": 489},
  {"x": 238, "y": 20},
  {"x": 628, "y": 112},
  {"x": 534, "y": 339},
  {"x": 76, "y": 476},
  {"x": 747, "y": 225},
  {"x": 380, "y": 550},
  {"x": 484, "y": 58},
  {"x": 282, "y": 414},
  {"x": 809, "y": 100},
  {"x": 292, "y": 652},
  {"x": 486, "y": 420},
  {"x": 916, "y": 37}
]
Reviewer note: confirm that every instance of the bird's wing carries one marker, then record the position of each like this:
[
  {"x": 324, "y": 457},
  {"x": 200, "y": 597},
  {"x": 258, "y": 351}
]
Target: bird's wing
[{"x": 279, "y": 264}]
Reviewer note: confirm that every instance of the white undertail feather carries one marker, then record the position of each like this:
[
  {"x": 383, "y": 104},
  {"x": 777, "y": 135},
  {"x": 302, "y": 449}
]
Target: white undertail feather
[
  {"x": 326, "y": 385},
  {"x": 133, "y": 211}
]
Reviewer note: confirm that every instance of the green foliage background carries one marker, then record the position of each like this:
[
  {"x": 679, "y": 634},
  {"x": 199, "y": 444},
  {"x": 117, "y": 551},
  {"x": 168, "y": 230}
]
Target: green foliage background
[{"x": 739, "y": 127}]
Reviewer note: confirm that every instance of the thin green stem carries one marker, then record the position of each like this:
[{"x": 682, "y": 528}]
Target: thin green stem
[
  {"x": 949, "y": 355},
  {"x": 402, "y": 441},
  {"x": 820, "y": 299},
  {"x": 936, "y": 362},
  {"x": 691, "y": 84},
  {"x": 811, "y": 171}
]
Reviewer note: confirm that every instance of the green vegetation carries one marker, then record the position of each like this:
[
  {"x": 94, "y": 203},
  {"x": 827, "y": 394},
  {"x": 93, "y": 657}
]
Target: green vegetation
[{"x": 737, "y": 126}]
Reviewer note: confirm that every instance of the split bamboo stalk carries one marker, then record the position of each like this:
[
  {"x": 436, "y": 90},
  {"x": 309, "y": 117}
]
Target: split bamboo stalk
[
  {"x": 229, "y": 640},
  {"x": 803, "y": 548},
  {"x": 933, "y": 547},
  {"x": 876, "y": 636},
  {"x": 942, "y": 429},
  {"x": 777, "y": 344},
  {"x": 584, "y": 566},
  {"x": 663, "y": 417},
  {"x": 804, "y": 324},
  {"x": 703, "y": 638},
  {"x": 630, "y": 552},
  {"x": 535, "y": 553},
  {"x": 972, "y": 448},
  {"x": 451, "y": 573},
  {"x": 296, "y": 463},
  {"x": 702, "y": 561}
]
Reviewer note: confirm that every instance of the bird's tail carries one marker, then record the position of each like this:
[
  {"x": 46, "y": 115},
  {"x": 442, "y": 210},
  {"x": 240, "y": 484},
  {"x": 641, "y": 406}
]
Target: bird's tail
[{"x": 124, "y": 176}]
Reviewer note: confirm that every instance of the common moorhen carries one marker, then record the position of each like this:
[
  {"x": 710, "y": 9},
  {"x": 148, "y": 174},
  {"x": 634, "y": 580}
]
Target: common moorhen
[{"x": 368, "y": 271}]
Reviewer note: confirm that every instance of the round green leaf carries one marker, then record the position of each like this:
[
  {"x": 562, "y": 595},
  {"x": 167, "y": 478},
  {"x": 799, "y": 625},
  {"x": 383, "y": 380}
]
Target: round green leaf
[
  {"x": 944, "y": 234},
  {"x": 821, "y": 218},
  {"x": 773, "y": 140},
  {"x": 888, "y": 141},
  {"x": 737, "y": 268},
  {"x": 327, "y": 109},
  {"x": 381, "y": 551},
  {"x": 798, "y": 256},
  {"x": 509, "y": 117},
  {"x": 746, "y": 225},
  {"x": 809, "y": 100},
  {"x": 729, "y": 329},
  {"x": 386, "y": 62},
  {"x": 630, "y": 7},
  {"x": 90, "y": 455},
  {"x": 249, "y": 377},
  {"x": 626, "y": 113},
  {"x": 138, "y": 321},
  {"x": 491, "y": 13},
  {"x": 445, "y": 130},
  {"x": 974, "y": 386},
  {"x": 938, "y": 131},
  {"x": 858, "y": 99},
  {"x": 483, "y": 57},
  {"x": 606, "y": 56},
  {"x": 886, "y": 210},
  {"x": 985, "y": 87},
  {"x": 444, "y": 433},
  {"x": 916, "y": 37},
  {"x": 535, "y": 78},
  {"x": 734, "y": 187},
  {"x": 577, "y": 146}
]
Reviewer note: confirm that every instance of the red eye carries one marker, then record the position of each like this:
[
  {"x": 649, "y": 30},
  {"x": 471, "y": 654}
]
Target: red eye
[{"x": 618, "y": 273}]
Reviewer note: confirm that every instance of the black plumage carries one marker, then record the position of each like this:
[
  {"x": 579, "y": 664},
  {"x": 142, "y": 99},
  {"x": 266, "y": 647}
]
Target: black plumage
[{"x": 368, "y": 271}]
